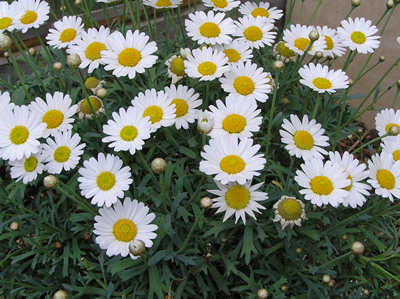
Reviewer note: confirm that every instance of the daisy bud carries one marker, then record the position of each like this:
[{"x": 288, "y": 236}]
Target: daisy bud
[
  {"x": 57, "y": 66},
  {"x": 389, "y": 4},
  {"x": 185, "y": 52},
  {"x": 331, "y": 284},
  {"x": 326, "y": 278},
  {"x": 205, "y": 122},
  {"x": 382, "y": 58},
  {"x": 357, "y": 248},
  {"x": 14, "y": 226},
  {"x": 168, "y": 297},
  {"x": 394, "y": 130},
  {"x": 5, "y": 42},
  {"x": 206, "y": 202},
  {"x": 158, "y": 165},
  {"x": 50, "y": 182},
  {"x": 73, "y": 60},
  {"x": 101, "y": 92},
  {"x": 262, "y": 294},
  {"x": 366, "y": 292},
  {"x": 355, "y": 3},
  {"x": 60, "y": 294},
  {"x": 278, "y": 65},
  {"x": 319, "y": 54},
  {"x": 329, "y": 57},
  {"x": 58, "y": 245},
  {"x": 6, "y": 54},
  {"x": 284, "y": 288},
  {"x": 298, "y": 250},
  {"x": 78, "y": 2},
  {"x": 32, "y": 51},
  {"x": 398, "y": 81},
  {"x": 314, "y": 35},
  {"x": 351, "y": 81},
  {"x": 285, "y": 101},
  {"x": 63, "y": 8},
  {"x": 137, "y": 247},
  {"x": 345, "y": 238}
]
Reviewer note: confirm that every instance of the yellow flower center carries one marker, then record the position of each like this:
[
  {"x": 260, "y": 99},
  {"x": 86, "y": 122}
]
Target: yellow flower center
[
  {"x": 210, "y": 29},
  {"x": 301, "y": 43},
  {"x": 290, "y": 209},
  {"x": 129, "y": 57},
  {"x": 95, "y": 102},
  {"x": 232, "y": 54},
  {"x": 92, "y": 51},
  {"x": 220, "y": 3},
  {"x": 105, "y": 180},
  {"x": 303, "y": 140},
  {"x": 234, "y": 123},
  {"x": 237, "y": 197},
  {"x": 387, "y": 128},
  {"x": 329, "y": 42},
  {"x": 284, "y": 51},
  {"x": 29, "y": 17},
  {"x": 358, "y": 37},
  {"x": 19, "y": 135},
  {"x": 322, "y": 83},
  {"x": 30, "y": 164},
  {"x": 253, "y": 33},
  {"x": 259, "y": 11},
  {"x": 62, "y": 154},
  {"x": 163, "y": 3},
  {"x": 244, "y": 85},
  {"x": 232, "y": 164},
  {"x": 348, "y": 188},
  {"x": 128, "y": 133},
  {"x": 207, "y": 68},
  {"x": 91, "y": 82},
  {"x": 67, "y": 35},
  {"x": 396, "y": 155},
  {"x": 177, "y": 67},
  {"x": 53, "y": 118},
  {"x": 321, "y": 185},
  {"x": 181, "y": 107},
  {"x": 5, "y": 23},
  {"x": 385, "y": 179},
  {"x": 124, "y": 230},
  {"x": 155, "y": 113}
]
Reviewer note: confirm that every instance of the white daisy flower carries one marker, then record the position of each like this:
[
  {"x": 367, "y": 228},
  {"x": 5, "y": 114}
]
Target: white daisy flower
[
  {"x": 84, "y": 110},
  {"x": 127, "y": 131},
  {"x": 56, "y": 112},
  {"x": 205, "y": 121},
  {"x": 297, "y": 39},
  {"x": 392, "y": 147},
  {"x": 122, "y": 224},
  {"x": 332, "y": 40},
  {"x": 247, "y": 82},
  {"x": 185, "y": 101},
  {"x": 9, "y": 15},
  {"x": 5, "y": 105},
  {"x": 235, "y": 51},
  {"x": 27, "y": 169},
  {"x": 160, "y": 4},
  {"x": 384, "y": 175},
  {"x": 130, "y": 55},
  {"x": 237, "y": 199},
  {"x": 235, "y": 118},
  {"x": 321, "y": 79},
  {"x": 304, "y": 138},
  {"x": 262, "y": 9},
  {"x": 256, "y": 32},
  {"x": 89, "y": 47},
  {"x": 289, "y": 211},
  {"x": 357, "y": 35},
  {"x": 176, "y": 67},
  {"x": 104, "y": 179},
  {"x": 355, "y": 173},
  {"x": 398, "y": 39},
  {"x": 323, "y": 183},
  {"x": 385, "y": 119},
  {"x": 206, "y": 64},
  {"x": 232, "y": 160},
  {"x": 210, "y": 28},
  {"x": 62, "y": 153},
  {"x": 34, "y": 14},
  {"x": 158, "y": 106},
  {"x": 283, "y": 53},
  {"x": 19, "y": 131},
  {"x": 221, "y": 5},
  {"x": 66, "y": 32}
]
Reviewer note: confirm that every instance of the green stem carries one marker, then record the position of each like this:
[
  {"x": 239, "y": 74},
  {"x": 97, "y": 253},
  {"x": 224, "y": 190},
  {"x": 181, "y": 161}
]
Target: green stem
[
  {"x": 316, "y": 106},
  {"x": 164, "y": 197},
  {"x": 271, "y": 115},
  {"x": 10, "y": 255},
  {"x": 336, "y": 259},
  {"x": 64, "y": 189},
  {"x": 315, "y": 11},
  {"x": 141, "y": 158},
  {"x": 38, "y": 245},
  {"x": 21, "y": 80},
  {"x": 351, "y": 10},
  {"x": 199, "y": 185},
  {"x": 190, "y": 232},
  {"x": 292, "y": 159},
  {"x": 148, "y": 23},
  {"x": 395, "y": 97},
  {"x": 92, "y": 274},
  {"x": 378, "y": 268}
]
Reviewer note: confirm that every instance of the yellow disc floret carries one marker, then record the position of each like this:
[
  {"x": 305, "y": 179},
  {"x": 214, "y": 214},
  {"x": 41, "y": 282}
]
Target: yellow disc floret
[
  {"x": 244, "y": 85},
  {"x": 290, "y": 209},
  {"x": 30, "y": 164},
  {"x": 209, "y": 29},
  {"x": 385, "y": 179},
  {"x": 93, "y": 50},
  {"x": 177, "y": 67},
  {"x": 62, "y": 154},
  {"x": 124, "y": 230},
  {"x": 95, "y": 102},
  {"x": 163, "y": 3},
  {"x": 128, "y": 133},
  {"x": 253, "y": 33},
  {"x": 53, "y": 118},
  {"x": 303, "y": 140},
  {"x": 234, "y": 123},
  {"x": 233, "y": 55},
  {"x": 232, "y": 164},
  {"x": 322, "y": 83},
  {"x": 181, "y": 107},
  {"x": 259, "y": 11},
  {"x": 220, "y": 3},
  {"x": 5, "y": 23},
  {"x": 301, "y": 43},
  {"x": 105, "y": 180},
  {"x": 129, "y": 57},
  {"x": 237, "y": 197},
  {"x": 358, "y": 37},
  {"x": 329, "y": 42},
  {"x": 19, "y": 135},
  {"x": 348, "y": 188},
  {"x": 207, "y": 68},
  {"x": 396, "y": 155},
  {"x": 67, "y": 35},
  {"x": 29, "y": 17},
  {"x": 155, "y": 113},
  {"x": 387, "y": 128},
  {"x": 321, "y": 185},
  {"x": 284, "y": 51}
]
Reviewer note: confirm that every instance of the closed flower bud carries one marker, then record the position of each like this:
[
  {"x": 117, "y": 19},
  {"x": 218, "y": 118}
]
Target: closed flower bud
[
  {"x": 298, "y": 250},
  {"x": 278, "y": 65},
  {"x": 331, "y": 284},
  {"x": 351, "y": 81},
  {"x": 168, "y": 297},
  {"x": 205, "y": 122},
  {"x": 6, "y": 55},
  {"x": 58, "y": 245},
  {"x": 366, "y": 292},
  {"x": 60, "y": 294},
  {"x": 101, "y": 92},
  {"x": 136, "y": 247},
  {"x": 73, "y": 60},
  {"x": 50, "y": 182},
  {"x": 394, "y": 130},
  {"x": 357, "y": 248},
  {"x": 389, "y": 4},
  {"x": 326, "y": 278},
  {"x": 57, "y": 66},
  {"x": 398, "y": 81},
  {"x": 314, "y": 35},
  {"x": 5, "y": 42},
  {"x": 78, "y": 2},
  {"x": 158, "y": 165},
  {"x": 319, "y": 54},
  {"x": 14, "y": 226},
  {"x": 262, "y": 294},
  {"x": 206, "y": 202},
  {"x": 355, "y": 3},
  {"x": 382, "y": 58},
  {"x": 32, "y": 51},
  {"x": 284, "y": 288},
  {"x": 185, "y": 52},
  {"x": 344, "y": 237}
]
